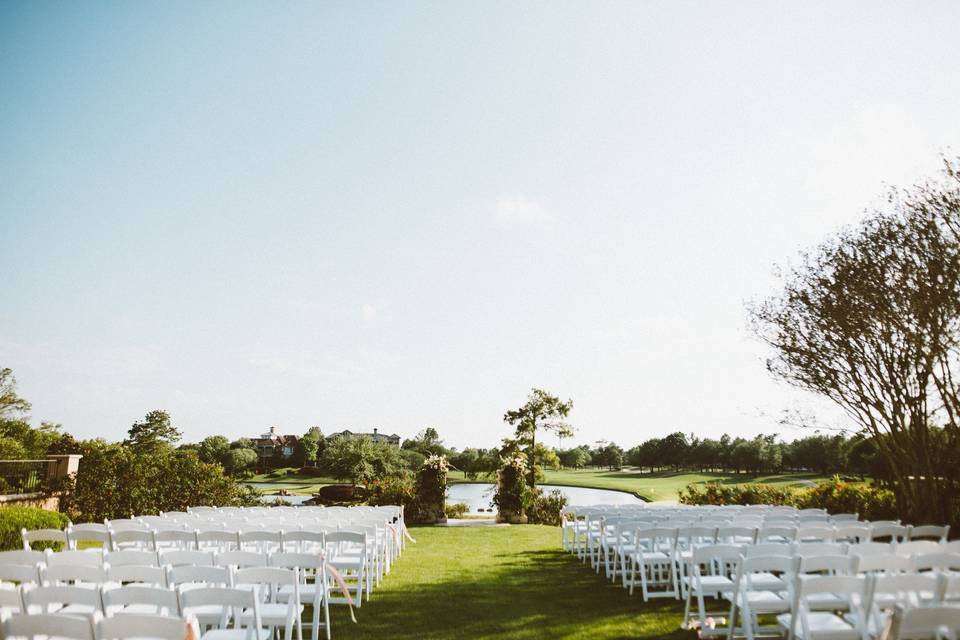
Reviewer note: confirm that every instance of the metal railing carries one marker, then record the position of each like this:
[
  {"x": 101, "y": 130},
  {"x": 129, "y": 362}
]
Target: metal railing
[{"x": 23, "y": 476}]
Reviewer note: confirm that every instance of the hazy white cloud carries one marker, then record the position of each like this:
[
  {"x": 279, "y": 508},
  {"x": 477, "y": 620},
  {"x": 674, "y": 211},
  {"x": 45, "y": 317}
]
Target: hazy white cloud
[{"x": 518, "y": 210}]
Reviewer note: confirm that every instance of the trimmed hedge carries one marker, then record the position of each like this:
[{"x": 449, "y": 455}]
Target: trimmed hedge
[
  {"x": 836, "y": 496},
  {"x": 13, "y": 519}
]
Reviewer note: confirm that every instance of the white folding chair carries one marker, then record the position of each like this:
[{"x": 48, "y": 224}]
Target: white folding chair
[
  {"x": 712, "y": 572},
  {"x": 275, "y": 612},
  {"x": 917, "y": 547},
  {"x": 217, "y": 540},
  {"x": 652, "y": 562},
  {"x": 10, "y": 599},
  {"x": 21, "y": 573},
  {"x": 47, "y": 626},
  {"x": 763, "y": 587},
  {"x": 889, "y": 591},
  {"x": 23, "y": 557},
  {"x": 313, "y": 588},
  {"x": 239, "y": 606},
  {"x": 347, "y": 553},
  {"x": 88, "y": 532},
  {"x": 807, "y": 623}
]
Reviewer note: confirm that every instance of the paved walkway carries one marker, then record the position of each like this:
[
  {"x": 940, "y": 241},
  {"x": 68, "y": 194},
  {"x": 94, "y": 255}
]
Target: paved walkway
[{"x": 474, "y": 522}]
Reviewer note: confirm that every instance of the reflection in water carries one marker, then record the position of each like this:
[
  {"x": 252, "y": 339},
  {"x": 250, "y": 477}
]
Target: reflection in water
[{"x": 479, "y": 496}]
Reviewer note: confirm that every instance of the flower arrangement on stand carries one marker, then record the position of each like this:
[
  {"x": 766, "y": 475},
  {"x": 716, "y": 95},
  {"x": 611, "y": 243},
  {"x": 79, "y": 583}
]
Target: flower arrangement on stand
[
  {"x": 432, "y": 489},
  {"x": 513, "y": 495}
]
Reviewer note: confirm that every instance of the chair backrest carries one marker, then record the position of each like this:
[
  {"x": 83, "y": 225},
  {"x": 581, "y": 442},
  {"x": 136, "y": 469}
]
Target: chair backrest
[
  {"x": 930, "y": 531},
  {"x": 269, "y": 576},
  {"x": 40, "y": 599},
  {"x": 908, "y": 587},
  {"x": 816, "y": 533},
  {"x": 218, "y": 539},
  {"x": 164, "y": 601},
  {"x": 123, "y": 524},
  {"x": 787, "y": 534},
  {"x": 22, "y": 573},
  {"x": 896, "y": 532},
  {"x": 353, "y": 537},
  {"x": 936, "y": 561},
  {"x": 819, "y": 549},
  {"x": 175, "y": 538},
  {"x": 297, "y": 560},
  {"x": 91, "y": 532},
  {"x": 178, "y": 557},
  {"x": 917, "y": 623},
  {"x": 227, "y": 598},
  {"x": 136, "y": 573},
  {"x": 205, "y": 575},
  {"x": 845, "y": 517},
  {"x": 883, "y": 563},
  {"x": 10, "y": 599},
  {"x": 241, "y": 559},
  {"x": 870, "y": 548},
  {"x": 73, "y": 574},
  {"x": 132, "y": 556},
  {"x": 736, "y": 535},
  {"x": 33, "y": 536},
  {"x": 769, "y": 549},
  {"x": 135, "y": 538},
  {"x": 88, "y": 558},
  {"x": 854, "y": 533},
  {"x": 156, "y": 627},
  {"x": 853, "y": 589},
  {"x": 21, "y": 556},
  {"x": 915, "y": 547},
  {"x": 303, "y": 540},
  {"x": 51, "y": 625}
]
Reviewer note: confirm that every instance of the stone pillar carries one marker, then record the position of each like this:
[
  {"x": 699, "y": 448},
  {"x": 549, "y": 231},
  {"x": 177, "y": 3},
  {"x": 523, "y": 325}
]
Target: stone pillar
[{"x": 62, "y": 465}]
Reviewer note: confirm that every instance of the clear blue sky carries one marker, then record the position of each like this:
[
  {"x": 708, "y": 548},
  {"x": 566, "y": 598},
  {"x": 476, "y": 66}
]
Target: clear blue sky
[{"x": 407, "y": 214}]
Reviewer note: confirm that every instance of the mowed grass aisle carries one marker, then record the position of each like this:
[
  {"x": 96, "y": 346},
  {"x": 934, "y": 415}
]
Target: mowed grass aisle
[{"x": 504, "y": 583}]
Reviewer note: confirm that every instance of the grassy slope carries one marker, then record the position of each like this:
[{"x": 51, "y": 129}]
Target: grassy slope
[
  {"x": 505, "y": 583},
  {"x": 660, "y": 486}
]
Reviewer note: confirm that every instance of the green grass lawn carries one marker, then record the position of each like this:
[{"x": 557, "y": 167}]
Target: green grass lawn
[
  {"x": 504, "y": 583},
  {"x": 655, "y": 487},
  {"x": 658, "y": 486}
]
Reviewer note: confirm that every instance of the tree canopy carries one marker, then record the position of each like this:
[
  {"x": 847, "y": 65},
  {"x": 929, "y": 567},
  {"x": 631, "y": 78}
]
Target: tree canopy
[{"x": 542, "y": 411}]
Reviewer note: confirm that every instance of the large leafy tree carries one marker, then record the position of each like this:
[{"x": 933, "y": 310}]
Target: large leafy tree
[
  {"x": 360, "y": 460},
  {"x": 871, "y": 320},
  {"x": 309, "y": 446},
  {"x": 19, "y": 440},
  {"x": 154, "y": 431},
  {"x": 542, "y": 411}
]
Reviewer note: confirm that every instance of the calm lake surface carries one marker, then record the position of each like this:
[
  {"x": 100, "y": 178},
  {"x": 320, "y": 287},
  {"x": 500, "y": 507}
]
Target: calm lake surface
[{"x": 479, "y": 496}]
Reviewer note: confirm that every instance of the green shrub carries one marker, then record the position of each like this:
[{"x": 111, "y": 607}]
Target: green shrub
[
  {"x": 546, "y": 508},
  {"x": 13, "y": 519},
  {"x": 397, "y": 490},
  {"x": 836, "y": 496},
  {"x": 714, "y": 493},
  {"x": 457, "y": 510}
]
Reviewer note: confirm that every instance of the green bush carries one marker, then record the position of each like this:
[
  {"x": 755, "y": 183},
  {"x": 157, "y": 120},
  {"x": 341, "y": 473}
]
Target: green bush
[
  {"x": 457, "y": 510},
  {"x": 546, "y": 508},
  {"x": 836, "y": 496},
  {"x": 397, "y": 490},
  {"x": 13, "y": 519},
  {"x": 714, "y": 493}
]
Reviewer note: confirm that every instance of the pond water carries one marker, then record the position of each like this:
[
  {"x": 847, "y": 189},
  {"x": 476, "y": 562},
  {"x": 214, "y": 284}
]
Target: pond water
[{"x": 479, "y": 496}]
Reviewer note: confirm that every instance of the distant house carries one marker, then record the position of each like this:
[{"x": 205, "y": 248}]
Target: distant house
[
  {"x": 268, "y": 442},
  {"x": 376, "y": 436}
]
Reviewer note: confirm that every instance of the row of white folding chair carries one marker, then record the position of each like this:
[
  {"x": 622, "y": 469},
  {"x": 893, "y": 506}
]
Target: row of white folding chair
[
  {"x": 765, "y": 585},
  {"x": 278, "y": 588},
  {"x": 99, "y": 628}
]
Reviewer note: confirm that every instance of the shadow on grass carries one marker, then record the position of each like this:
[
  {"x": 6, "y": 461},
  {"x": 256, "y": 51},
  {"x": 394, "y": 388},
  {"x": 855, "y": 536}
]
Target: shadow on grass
[{"x": 532, "y": 593}]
